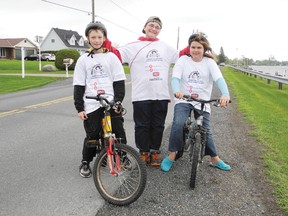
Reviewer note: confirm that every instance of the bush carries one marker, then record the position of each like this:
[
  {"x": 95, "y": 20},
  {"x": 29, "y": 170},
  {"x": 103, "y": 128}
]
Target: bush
[{"x": 63, "y": 54}]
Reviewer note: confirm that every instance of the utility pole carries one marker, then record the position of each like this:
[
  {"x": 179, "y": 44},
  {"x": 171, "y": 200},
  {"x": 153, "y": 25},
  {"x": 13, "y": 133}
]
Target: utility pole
[
  {"x": 178, "y": 37},
  {"x": 93, "y": 12}
]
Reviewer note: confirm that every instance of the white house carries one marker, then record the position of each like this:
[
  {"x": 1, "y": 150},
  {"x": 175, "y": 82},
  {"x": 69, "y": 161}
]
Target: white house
[{"x": 58, "y": 39}]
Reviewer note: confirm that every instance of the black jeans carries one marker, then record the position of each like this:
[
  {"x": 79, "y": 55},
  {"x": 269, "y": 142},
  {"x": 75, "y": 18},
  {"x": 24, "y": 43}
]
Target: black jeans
[
  {"x": 93, "y": 127},
  {"x": 149, "y": 117}
]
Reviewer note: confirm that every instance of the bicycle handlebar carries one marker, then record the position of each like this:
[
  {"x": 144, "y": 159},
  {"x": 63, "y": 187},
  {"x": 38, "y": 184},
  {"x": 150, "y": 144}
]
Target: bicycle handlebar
[
  {"x": 101, "y": 98},
  {"x": 108, "y": 104},
  {"x": 190, "y": 98}
]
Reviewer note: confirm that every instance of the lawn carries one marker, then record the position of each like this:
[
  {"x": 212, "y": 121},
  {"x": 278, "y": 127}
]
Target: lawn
[
  {"x": 265, "y": 108},
  {"x": 31, "y": 67},
  {"x": 17, "y": 83}
]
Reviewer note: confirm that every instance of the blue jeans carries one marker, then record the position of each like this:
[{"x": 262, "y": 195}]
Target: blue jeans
[{"x": 181, "y": 113}]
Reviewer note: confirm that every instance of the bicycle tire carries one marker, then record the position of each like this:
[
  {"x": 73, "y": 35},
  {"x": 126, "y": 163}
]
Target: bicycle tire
[
  {"x": 126, "y": 187},
  {"x": 195, "y": 159},
  {"x": 186, "y": 140}
]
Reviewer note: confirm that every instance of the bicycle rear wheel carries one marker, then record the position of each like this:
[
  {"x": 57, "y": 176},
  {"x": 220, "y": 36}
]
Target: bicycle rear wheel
[
  {"x": 127, "y": 185},
  {"x": 196, "y": 151}
]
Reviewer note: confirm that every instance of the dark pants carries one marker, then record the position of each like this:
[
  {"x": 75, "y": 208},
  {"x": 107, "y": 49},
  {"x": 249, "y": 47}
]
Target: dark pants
[
  {"x": 93, "y": 127},
  {"x": 149, "y": 117}
]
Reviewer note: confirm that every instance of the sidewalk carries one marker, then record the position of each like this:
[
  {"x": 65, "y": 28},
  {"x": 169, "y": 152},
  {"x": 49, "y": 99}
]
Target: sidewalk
[{"x": 41, "y": 75}]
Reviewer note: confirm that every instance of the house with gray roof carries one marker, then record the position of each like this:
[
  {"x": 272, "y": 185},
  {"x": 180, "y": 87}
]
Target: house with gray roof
[
  {"x": 10, "y": 48},
  {"x": 58, "y": 39}
]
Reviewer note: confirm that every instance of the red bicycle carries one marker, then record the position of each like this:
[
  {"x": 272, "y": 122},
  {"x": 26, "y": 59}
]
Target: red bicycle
[{"x": 119, "y": 174}]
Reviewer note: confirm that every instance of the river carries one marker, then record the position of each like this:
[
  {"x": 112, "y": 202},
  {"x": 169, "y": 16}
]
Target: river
[{"x": 272, "y": 70}]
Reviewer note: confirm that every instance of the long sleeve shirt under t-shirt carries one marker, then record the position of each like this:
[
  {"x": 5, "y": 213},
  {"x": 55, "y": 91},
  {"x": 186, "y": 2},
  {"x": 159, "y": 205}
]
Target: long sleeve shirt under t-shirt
[
  {"x": 196, "y": 78},
  {"x": 97, "y": 74},
  {"x": 149, "y": 63}
]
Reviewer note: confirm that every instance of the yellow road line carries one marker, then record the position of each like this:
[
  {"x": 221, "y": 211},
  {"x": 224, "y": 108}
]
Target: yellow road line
[
  {"x": 24, "y": 109},
  {"x": 11, "y": 112},
  {"x": 49, "y": 103}
]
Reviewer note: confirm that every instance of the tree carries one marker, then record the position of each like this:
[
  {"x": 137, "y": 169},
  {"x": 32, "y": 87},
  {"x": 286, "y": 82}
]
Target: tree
[{"x": 221, "y": 57}]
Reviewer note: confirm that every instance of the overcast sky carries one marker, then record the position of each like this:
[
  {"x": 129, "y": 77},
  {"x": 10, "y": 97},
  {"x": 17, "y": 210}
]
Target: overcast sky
[{"x": 253, "y": 29}]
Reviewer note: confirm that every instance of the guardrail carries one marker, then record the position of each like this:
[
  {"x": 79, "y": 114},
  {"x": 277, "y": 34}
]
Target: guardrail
[{"x": 280, "y": 80}]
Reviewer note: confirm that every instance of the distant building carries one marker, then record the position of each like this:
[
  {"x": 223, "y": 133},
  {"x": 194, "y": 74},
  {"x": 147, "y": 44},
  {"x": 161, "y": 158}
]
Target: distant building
[
  {"x": 58, "y": 39},
  {"x": 10, "y": 48}
]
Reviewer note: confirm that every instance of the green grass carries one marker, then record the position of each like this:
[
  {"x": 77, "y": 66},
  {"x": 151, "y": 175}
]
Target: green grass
[
  {"x": 31, "y": 67},
  {"x": 17, "y": 83},
  {"x": 265, "y": 108}
]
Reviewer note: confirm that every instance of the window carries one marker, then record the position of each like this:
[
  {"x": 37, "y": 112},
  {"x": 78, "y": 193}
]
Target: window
[
  {"x": 2, "y": 52},
  {"x": 52, "y": 40},
  {"x": 72, "y": 41}
]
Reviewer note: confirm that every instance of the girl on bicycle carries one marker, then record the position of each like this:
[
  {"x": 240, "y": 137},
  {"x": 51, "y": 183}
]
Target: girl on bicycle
[
  {"x": 95, "y": 72},
  {"x": 194, "y": 75}
]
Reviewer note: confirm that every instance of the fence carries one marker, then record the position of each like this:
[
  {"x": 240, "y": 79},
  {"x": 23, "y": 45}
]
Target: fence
[{"x": 248, "y": 72}]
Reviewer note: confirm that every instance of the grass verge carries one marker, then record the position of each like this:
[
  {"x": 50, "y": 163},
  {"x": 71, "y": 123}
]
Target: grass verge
[
  {"x": 17, "y": 83},
  {"x": 265, "y": 108}
]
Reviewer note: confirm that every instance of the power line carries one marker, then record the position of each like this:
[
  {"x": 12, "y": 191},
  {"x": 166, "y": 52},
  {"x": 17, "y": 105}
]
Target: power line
[
  {"x": 89, "y": 13},
  {"x": 127, "y": 12}
]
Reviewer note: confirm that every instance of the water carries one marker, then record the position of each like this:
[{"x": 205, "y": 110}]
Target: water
[{"x": 272, "y": 70}]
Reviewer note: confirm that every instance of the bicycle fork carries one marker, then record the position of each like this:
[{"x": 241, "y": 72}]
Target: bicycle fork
[{"x": 113, "y": 159}]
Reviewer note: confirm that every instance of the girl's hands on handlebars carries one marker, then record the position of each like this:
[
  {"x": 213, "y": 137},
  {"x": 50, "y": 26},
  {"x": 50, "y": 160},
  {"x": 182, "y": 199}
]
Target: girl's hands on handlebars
[
  {"x": 82, "y": 115},
  {"x": 179, "y": 95},
  {"x": 224, "y": 101}
]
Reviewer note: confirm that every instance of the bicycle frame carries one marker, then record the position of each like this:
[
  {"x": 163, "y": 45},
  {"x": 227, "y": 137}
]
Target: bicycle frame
[
  {"x": 108, "y": 137},
  {"x": 196, "y": 127}
]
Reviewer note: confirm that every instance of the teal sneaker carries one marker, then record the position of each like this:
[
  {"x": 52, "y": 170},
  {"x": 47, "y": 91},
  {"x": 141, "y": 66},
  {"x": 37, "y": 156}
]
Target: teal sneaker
[
  {"x": 221, "y": 165},
  {"x": 166, "y": 164}
]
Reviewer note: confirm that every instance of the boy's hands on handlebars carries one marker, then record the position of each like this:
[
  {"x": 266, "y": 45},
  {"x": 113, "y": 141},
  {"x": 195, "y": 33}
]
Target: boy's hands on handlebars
[
  {"x": 117, "y": 107},
  {"x": 82, "y": 115}
]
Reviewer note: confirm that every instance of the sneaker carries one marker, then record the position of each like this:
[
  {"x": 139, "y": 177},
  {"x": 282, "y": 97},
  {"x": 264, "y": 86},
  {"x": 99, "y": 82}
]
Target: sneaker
[
  {"x": 85, "y": 170},
  {"x": 166, "y": 164},
  {"x": 221, "y": 165},
  {"x": 145, "y": 156},
  {"x": 155, "y": 159}
]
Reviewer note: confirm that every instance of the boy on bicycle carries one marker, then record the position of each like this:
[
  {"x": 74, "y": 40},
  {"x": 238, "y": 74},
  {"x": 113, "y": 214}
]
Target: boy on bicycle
[{"x": 97, "y": 71}]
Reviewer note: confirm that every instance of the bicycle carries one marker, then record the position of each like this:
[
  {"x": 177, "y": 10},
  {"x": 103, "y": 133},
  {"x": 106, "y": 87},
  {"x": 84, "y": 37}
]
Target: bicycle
[
  {"x": 194, "y": 137},
  {"x": 119, "y": 174}
]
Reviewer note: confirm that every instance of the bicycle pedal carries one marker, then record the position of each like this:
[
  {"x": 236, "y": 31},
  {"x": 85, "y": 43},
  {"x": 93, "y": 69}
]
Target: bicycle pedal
[{"x": 187, "y": 149}]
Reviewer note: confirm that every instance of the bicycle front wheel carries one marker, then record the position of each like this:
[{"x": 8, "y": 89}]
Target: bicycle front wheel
[
  {"x": 127, "y": 181},
  {"x": 196, "y": 151}
]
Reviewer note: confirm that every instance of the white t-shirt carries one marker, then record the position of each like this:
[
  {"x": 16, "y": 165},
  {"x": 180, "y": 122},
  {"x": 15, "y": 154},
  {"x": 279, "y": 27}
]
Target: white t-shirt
[
  {"x": 97, "y": 74},
  {"x": 196, "y": 78},
  {"x": 149, "y": 64}
]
